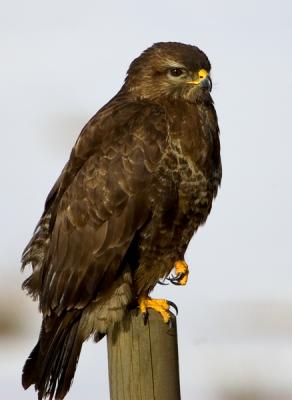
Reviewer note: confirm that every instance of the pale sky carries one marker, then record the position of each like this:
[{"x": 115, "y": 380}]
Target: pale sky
[{"x": 60, "y": 62}]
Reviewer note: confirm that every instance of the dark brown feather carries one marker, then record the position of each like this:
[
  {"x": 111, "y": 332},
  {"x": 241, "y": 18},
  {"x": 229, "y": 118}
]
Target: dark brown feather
[{"x": 139, "y": 182}]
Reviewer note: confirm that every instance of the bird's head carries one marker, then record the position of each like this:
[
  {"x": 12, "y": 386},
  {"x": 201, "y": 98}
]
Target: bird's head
[{"x": 170, "y": 70}]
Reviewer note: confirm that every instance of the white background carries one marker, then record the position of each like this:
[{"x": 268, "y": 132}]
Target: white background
[{"x": 60, "y": 62}]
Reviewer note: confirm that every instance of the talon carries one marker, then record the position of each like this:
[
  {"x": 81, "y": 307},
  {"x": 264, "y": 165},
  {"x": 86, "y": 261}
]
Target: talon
[
  {"x": 175, "y": 279},
  {"x": 161, "y": 306},
  {"x": 174, "y": 306},
  {"x": 163, "y": 282},
  {"x": 182, "y": 273},
  {"x": 176, "y": 283}
]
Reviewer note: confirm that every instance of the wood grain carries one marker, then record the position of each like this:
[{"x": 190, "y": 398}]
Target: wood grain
[{"x": 143, "y": 359}]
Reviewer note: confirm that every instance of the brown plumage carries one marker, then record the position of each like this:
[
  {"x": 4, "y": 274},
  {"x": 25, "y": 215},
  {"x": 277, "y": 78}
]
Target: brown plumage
[{"x": 139, "y": 182}]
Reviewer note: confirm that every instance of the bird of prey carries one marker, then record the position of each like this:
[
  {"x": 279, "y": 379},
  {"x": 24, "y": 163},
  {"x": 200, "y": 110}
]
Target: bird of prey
[{"x": 140, "y": 180}]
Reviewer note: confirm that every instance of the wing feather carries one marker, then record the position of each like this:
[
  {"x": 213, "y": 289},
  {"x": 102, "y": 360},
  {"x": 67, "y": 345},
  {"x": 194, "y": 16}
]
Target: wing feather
[{"x": 97, "y": 213}]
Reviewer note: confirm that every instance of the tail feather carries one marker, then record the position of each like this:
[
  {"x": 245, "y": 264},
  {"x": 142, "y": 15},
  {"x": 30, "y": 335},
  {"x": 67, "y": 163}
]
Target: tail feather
[
  {"x": 29, "y": 370},
  {"x": 52, "y": 363}
]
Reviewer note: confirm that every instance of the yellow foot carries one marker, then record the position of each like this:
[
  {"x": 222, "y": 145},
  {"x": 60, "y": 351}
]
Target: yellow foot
[
  {"x": 161, "y": 306},
  {"x": 181, "y": 273}
]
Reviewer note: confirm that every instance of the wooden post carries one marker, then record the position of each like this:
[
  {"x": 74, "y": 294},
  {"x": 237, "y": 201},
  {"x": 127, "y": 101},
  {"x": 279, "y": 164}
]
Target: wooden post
[{"x": 143, "y": 359}]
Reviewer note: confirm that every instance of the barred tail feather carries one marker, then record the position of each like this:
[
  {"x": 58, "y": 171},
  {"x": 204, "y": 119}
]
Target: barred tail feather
[{"x": 52, "y": 363}]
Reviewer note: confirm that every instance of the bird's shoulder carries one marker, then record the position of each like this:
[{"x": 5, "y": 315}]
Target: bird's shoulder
[{"x": 122, "y": 126}]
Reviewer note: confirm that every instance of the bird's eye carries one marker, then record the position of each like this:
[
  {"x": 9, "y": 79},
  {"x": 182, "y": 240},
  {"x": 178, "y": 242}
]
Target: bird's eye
[{"x": 176, "y": 72}]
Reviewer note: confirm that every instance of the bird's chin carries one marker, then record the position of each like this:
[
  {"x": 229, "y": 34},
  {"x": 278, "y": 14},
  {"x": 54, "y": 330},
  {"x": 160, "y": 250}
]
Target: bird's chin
[
  {"x": 196, "y": 94},
  {"x": 190, "y": 93}
]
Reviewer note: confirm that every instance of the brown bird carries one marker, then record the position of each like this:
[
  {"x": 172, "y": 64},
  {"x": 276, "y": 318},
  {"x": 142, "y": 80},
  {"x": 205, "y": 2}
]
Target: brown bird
[{"x": 139, "y": 182}]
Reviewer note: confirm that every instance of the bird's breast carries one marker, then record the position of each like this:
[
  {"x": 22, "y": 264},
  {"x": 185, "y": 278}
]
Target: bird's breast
[
  {"x": 193, "y": 141},
  {"x": 190, "y": 159}
]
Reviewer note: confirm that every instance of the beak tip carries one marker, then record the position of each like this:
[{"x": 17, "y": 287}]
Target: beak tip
[{"x": 206, "y": 83}]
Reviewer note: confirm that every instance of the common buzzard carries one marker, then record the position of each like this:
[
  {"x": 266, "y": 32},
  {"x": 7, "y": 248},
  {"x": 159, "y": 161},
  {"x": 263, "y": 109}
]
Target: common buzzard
[{"x": 139, "y": 182}]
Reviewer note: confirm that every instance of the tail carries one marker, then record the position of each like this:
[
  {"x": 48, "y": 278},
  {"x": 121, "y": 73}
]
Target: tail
[{"x": 52, "y": 363}]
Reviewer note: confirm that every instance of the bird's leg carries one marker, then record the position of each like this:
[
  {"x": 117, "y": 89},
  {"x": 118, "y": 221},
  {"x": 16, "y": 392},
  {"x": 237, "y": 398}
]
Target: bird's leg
[
  {"x": 181, "y": 273},
  {"x": 159, "y": 305}
]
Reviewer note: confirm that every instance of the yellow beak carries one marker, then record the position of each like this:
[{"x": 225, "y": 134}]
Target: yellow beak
[{"x": 202, "y": 74}]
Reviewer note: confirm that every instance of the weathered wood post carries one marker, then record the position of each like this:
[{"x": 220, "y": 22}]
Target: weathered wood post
[{"x": 143, "y": 359}]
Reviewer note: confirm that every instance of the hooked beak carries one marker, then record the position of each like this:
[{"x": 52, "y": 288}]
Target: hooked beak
[
  {"x": 206, "y": 83},
  {"x": 203, "y": 80}
]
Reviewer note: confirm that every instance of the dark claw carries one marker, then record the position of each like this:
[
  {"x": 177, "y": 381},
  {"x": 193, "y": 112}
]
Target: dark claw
[
  {"x": 178, "y": 277},
  {"x": 175, "y": 279},
  {"x": 173, "y": 305},
  {"x": 163, "y": 283},
  {"x": 175, "y": 283}
]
